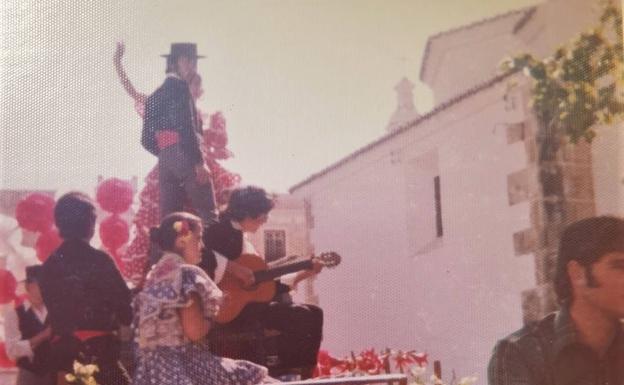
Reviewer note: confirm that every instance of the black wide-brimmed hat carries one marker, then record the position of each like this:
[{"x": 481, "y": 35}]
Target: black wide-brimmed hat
[{"x": 183, "y": 49}]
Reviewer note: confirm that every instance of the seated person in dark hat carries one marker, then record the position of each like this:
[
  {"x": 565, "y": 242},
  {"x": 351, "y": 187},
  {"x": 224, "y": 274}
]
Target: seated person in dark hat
[
  {"x": 300, "y": 325},
  {"x": 27, "y": 334},
  {"x": 172, "y": 131},
  {"x": 86, "y": 297}
]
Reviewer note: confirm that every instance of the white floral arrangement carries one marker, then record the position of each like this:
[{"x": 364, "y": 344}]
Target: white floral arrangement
[{"x": 83, "y": 374}]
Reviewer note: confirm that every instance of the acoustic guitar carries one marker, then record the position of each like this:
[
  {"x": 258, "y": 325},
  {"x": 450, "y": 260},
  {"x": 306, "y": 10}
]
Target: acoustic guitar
[{"x": 264, "y": 287}]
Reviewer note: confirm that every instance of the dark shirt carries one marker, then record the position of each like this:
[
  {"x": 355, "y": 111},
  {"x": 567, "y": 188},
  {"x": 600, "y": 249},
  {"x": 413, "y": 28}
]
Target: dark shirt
[
  {"x": 223, "y": 238},
  {"x": 30, "y": 326},
  {"x": 83, "y": 290},
  {"x": 549, "y": 353},
  {"x": 171, "y": 107}
]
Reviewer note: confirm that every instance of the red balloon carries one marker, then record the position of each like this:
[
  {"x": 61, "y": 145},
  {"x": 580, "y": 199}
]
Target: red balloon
[
  {"x": 115, "y": 195},
  {"x": 47, "y": 243},
  {"x": 114, "y": 233},
  {"x": 35, "y": 212},
  {"x": 8, "y": 285},
  {"x": 5, "y": 361}
]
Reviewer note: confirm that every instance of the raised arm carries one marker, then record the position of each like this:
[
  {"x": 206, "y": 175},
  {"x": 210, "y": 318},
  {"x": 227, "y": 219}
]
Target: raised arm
[{"x": 123, "y": 76}]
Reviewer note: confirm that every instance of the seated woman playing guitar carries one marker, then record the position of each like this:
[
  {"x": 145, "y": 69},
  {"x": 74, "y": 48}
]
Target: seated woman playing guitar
[{"x": 300, "y": 325}]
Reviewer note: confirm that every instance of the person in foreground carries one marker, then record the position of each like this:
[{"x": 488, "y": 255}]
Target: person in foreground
[
  {"x": 86, "y": 297},
  {"x": 173, "y": 315},
  {"x": 582, "y": 343}
]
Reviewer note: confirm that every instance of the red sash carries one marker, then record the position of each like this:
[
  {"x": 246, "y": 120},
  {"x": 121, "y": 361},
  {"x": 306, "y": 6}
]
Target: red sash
[{"x": 166, "y": 138}]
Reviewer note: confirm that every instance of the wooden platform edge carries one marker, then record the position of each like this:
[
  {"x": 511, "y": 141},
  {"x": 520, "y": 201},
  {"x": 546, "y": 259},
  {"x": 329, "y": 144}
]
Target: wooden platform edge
[{"x": 399, "y": 379}]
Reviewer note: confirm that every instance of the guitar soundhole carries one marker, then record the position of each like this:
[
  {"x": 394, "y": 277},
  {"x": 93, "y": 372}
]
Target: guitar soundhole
[{"x": 249, "y": 288}]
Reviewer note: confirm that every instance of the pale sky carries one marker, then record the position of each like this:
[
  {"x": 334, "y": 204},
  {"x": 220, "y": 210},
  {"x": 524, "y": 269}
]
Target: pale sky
[{"x": 301, "y": 83}]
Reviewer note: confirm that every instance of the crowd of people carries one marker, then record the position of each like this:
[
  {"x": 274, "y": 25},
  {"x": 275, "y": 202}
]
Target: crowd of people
[{"x": 78, "y": 306}]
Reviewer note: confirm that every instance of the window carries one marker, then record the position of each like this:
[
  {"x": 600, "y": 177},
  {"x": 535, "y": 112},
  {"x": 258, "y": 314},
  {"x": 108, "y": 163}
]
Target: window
[
  {"x": 510, "y": 101},
  {"x": 274, "y": 244},
  {"x": 438, "y": 206}
]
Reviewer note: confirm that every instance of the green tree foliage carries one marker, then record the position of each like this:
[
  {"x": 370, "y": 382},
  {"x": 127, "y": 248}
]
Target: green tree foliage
[{"x": 581, "y": 85}]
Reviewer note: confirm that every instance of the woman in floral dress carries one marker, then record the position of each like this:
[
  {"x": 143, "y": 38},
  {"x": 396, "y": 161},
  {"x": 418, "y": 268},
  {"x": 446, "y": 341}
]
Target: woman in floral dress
[
  {"x": 147, "y": 216},
  {"x": 174, "y": 312}
]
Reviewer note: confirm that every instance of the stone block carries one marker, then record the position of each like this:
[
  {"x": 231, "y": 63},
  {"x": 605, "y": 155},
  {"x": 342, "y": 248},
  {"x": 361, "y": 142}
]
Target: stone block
[
  {"x": 524, "y": 241},
  {"x": 531, "y": 151},
  {"x": 518, "y": 186},
  {"x": 577, "y": 210},
  {"x": 538, "y": 302},
  {"x": 578, "y": 153},
  {"x": 516, "y": 132},
  {"x": 545, "y": 264},
  {"x": 578, "y": 182}
]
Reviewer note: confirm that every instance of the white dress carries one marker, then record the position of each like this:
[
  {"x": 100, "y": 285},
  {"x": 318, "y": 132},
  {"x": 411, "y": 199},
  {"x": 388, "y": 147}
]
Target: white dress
[{"x": 166, "y": 356}]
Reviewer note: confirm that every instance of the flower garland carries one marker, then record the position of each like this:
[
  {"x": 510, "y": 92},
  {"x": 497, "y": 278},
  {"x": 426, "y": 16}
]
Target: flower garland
[{"x": 370, "y": 362}]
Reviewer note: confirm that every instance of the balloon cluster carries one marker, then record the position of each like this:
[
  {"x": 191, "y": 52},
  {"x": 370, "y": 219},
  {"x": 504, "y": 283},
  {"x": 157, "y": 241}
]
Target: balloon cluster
[
  {"x": 35, "y": 213},
  {"x": 114, "y": 196}
]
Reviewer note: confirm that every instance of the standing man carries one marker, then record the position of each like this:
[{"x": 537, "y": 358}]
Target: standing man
[
  {"x": 300, "y": 325},
  {"x": 86, "y": 297},
  {"x": 583, "y": 343},
  {"x": 172, "y": 131},
  {"x": 28, "y": 335}
]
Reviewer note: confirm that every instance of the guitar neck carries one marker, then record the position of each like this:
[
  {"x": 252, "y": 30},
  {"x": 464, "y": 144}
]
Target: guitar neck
[{"x": 270, "y": 274}]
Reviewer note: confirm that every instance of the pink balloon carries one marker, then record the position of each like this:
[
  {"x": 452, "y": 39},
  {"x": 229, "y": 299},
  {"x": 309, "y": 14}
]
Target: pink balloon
[
  {"x": 115, "y": 195},
  {"x": 47, "y": 243},
  {"x": 5, "y": 361},
  {"x": 35, "y": 212},
  {"x": 8, "y": 285},
  {"x": 114, "y": 233}
]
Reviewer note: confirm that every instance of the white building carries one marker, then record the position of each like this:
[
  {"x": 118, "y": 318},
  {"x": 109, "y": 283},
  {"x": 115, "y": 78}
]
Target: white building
[
  {"x": 286, "y": 234},
  {"x": 436, "y": 219}
]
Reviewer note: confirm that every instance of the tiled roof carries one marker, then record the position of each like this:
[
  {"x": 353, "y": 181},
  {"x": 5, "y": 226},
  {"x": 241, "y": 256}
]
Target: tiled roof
[
  {"x": 524, "y": 19},
  {"x": 441, "y": 107},
  {"x": 526, "y": 13}
]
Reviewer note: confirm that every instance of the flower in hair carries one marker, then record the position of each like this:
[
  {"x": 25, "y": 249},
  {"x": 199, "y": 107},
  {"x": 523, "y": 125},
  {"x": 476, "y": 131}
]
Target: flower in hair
[{"x": 181, "y": 227}]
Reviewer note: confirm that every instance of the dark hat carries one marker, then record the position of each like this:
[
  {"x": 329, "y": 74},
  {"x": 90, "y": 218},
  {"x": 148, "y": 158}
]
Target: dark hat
[
  {"x": 183, "y": 49},
  {"x": 33, "y": 273}
]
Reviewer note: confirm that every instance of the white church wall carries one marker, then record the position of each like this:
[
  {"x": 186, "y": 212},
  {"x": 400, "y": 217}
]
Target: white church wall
[
  {"x": 460, "y": 69},
  {"x": 607, "y": 161},
  {"x": 402, "y": 286},
  {"x": 461, "y": 60},
  {"x": 557, "y": 21}
]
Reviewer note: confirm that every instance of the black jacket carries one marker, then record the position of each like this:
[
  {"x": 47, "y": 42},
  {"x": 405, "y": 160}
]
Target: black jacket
[
  {"x": 549, "y": 352},
  {"x": 30, "y": 326},
  {"x": 83, "y": 290},
  {"x": 171, "y": 107},
  {"x": 225, "y": 240}
]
